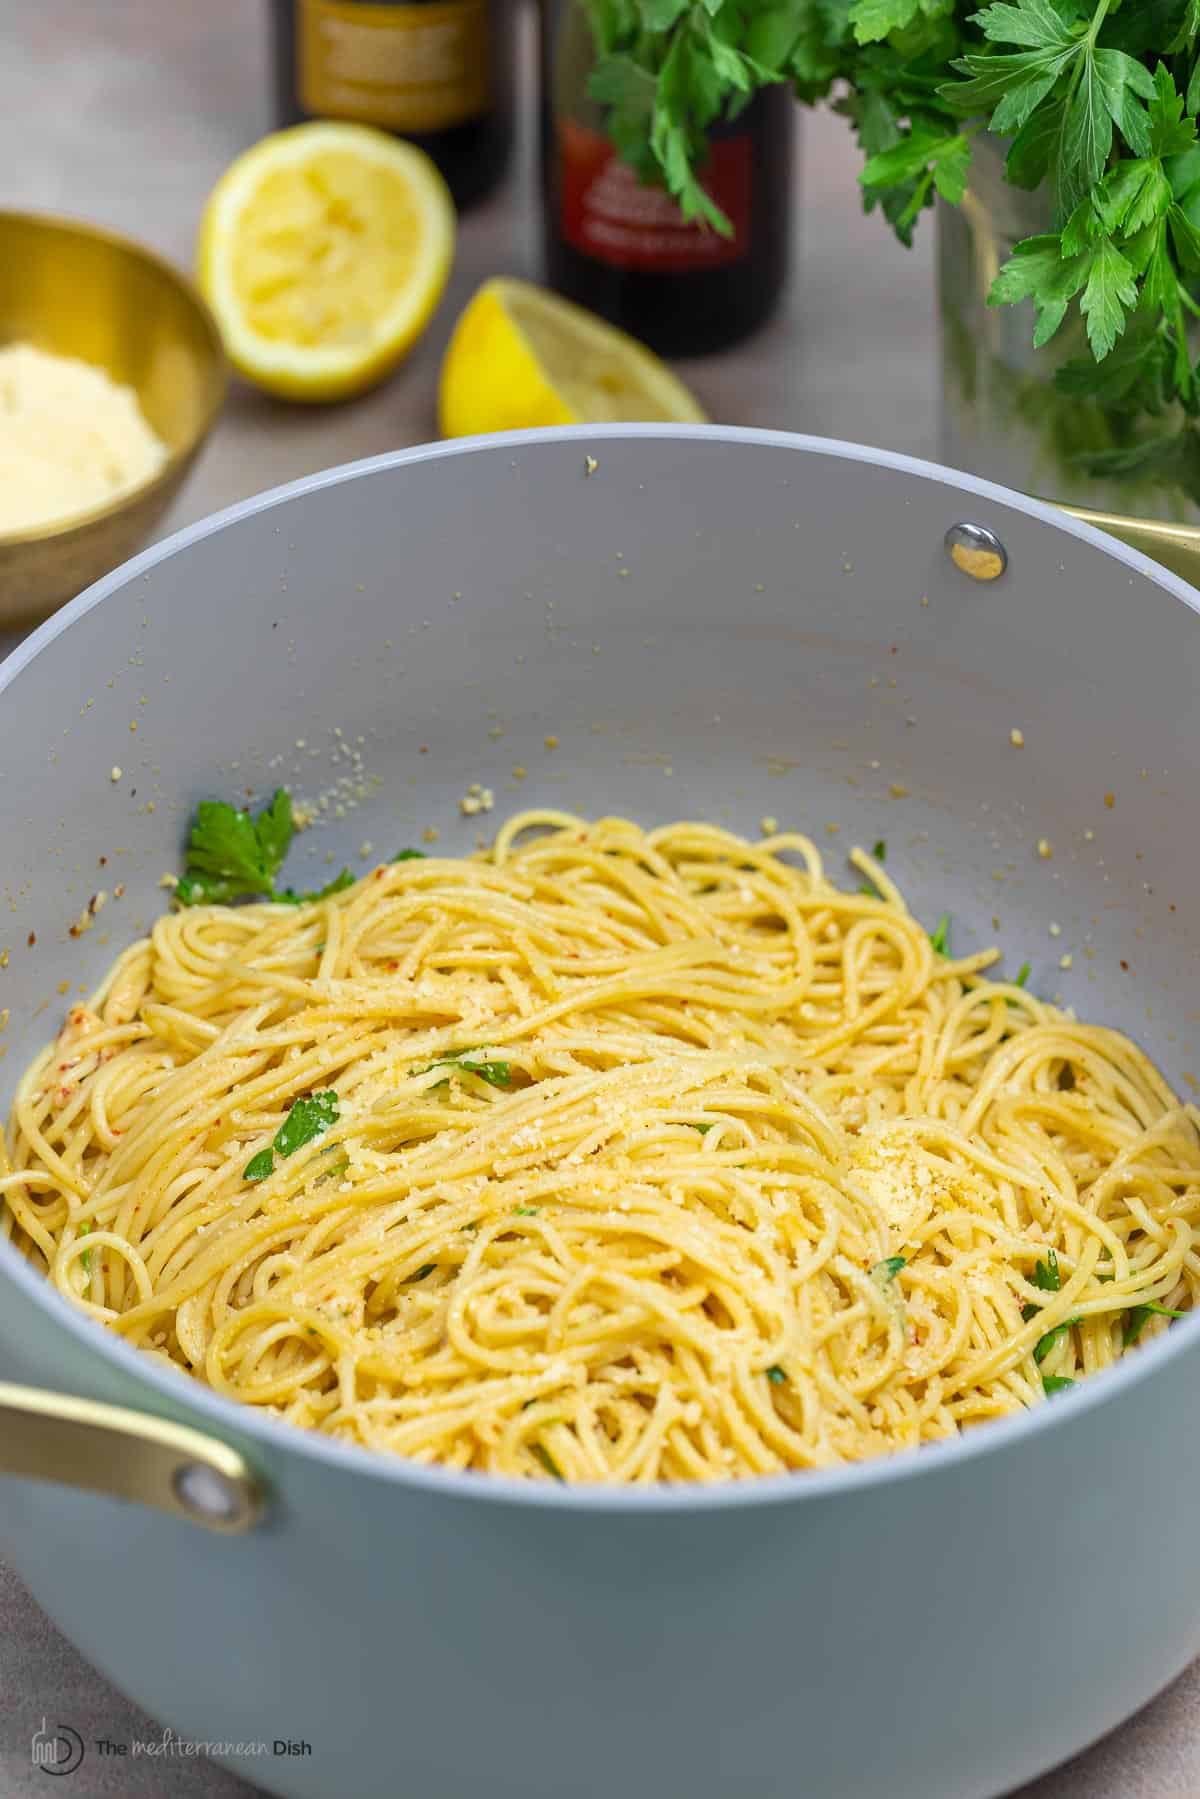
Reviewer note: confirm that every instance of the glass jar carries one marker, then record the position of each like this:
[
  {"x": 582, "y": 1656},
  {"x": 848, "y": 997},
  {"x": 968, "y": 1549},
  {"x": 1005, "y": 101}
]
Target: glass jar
[{"x": 1003, "y": 417}]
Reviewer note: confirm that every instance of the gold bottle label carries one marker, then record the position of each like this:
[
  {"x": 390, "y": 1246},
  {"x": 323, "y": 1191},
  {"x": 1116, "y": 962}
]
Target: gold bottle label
[{"x": 407, "y": 68}]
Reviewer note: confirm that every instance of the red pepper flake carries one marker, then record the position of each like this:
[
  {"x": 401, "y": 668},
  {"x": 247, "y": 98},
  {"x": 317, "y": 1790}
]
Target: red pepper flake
[
  {"x": 31, "y": 939},
  {"x": 1110, "y": 800},
  {"x": 103, "y": 861},
  {"x": 423, "y": 750},
  {"x": 1124, "y": 965}
]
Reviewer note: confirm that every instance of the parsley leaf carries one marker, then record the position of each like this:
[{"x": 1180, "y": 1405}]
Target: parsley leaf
[
  {"x": 1140, "y": 1316},
  {"x": 1189, "y": 31},
  {"x": 307, "y": 1119},
  {"x": 1022, "y": 975},
  {"x": 776, "y": 1375},
  {"x": 1035, "y": 23},
  {"x": 338, "y": 884},
  {"x": 547, "y": 1460},
  {"x": 1121, "y": 82},
  {"x": 1047, "y": 1279},
  {"x": 424, "y": 1270},
  {"x": 1009, "y": 87},
  {"x": 887, "y": 1270},
  {"x": 260, "y": 1166},
  {"x": 1056, "y": 1383},
  {"x": 273, "y": 828},
  {"x": 1133, "y": 376},
  {"x": 409, "y": 856},
  {"x": 947, "y": 156},
  {"x": 868, "y": 888},
  {"x": 874, "y": 19},
  {"x": 496, "y": 1074},
  {"x": 1038, "y": 271},
  {"x": 939, "y": 937},
  {"x": 1185, "y": 238},
  {"x": 1110, "y": 292},
  {"x": 231, "y": 855},
  {"x": 1045, "y": 1345},
  {"x": 1035, "y": 148},
  {"x": 1170, "y": 132}
]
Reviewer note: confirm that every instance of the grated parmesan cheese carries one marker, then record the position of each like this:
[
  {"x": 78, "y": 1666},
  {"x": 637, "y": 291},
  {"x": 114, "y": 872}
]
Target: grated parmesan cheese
[
  {"x": 476, "y": 799},
  {"x": 70, "y": 439}
]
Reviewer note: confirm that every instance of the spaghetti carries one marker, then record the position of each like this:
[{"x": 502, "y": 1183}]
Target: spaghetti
[{"x": 609, "y": 1155}]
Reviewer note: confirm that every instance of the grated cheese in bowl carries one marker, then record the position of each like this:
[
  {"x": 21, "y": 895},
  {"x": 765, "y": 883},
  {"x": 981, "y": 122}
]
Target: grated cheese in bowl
[{"x": 71, "y": 439}]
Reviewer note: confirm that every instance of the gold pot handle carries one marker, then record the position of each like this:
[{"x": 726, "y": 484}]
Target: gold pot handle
[
  {"x": 127, "y": 1455},
  {"x": 1177, "y": 547}
]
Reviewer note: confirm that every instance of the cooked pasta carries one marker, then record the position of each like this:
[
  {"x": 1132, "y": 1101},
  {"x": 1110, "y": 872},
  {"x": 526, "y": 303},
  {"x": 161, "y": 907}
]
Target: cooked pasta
[{"x": 608, "y": 1155}]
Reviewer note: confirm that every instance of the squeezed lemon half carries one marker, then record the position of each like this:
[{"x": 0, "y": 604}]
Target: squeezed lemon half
[{"x": 323, "y": 252}]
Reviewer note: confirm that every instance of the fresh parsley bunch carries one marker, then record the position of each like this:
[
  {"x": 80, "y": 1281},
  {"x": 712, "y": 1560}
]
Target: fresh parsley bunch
[{"x": 1096, "y": 99}]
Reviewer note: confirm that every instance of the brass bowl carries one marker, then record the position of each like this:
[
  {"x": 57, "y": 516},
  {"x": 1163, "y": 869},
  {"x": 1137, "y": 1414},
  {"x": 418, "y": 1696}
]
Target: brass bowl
[{"x": 78, "y": 291}]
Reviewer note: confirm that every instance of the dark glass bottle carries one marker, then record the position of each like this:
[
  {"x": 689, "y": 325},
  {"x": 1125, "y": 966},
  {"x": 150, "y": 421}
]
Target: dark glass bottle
[
  {"x": 438, "y": 72},
  {"x": 624, "y": 249}
]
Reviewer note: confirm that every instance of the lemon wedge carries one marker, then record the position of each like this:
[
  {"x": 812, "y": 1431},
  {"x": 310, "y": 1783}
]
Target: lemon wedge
[
  {"x": 522, "y": 356},
  {"x": 323, "y": 251}
]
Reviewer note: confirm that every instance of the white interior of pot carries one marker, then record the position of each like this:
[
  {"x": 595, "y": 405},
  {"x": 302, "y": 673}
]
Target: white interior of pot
[{"x": 716, "y": 624}]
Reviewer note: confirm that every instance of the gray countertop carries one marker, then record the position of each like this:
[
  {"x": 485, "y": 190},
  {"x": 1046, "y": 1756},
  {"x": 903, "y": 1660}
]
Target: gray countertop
[{"x": 125, "y": 112}]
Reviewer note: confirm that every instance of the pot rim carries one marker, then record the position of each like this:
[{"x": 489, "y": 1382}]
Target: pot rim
[{"x": 177, "y": 1392}]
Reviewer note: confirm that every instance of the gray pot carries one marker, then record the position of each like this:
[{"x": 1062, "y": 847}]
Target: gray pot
[{"x": 936, "y": 1626}]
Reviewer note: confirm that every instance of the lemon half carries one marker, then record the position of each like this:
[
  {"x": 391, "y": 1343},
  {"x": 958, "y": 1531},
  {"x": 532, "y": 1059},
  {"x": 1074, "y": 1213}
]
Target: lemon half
[
  {"x": 522, "y": 356},
  {"x": 323, "y": 251}
]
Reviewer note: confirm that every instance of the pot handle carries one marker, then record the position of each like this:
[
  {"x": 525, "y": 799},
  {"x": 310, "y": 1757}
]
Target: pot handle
[
  {"x": 1177, "y": 547},
  {"x": 127, "y": 1455}
]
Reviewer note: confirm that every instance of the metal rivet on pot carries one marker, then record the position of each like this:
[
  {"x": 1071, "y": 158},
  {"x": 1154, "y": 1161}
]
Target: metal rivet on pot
[
  {"x": 977, "y": 551},
  {"x": 206, "y": 1493}
]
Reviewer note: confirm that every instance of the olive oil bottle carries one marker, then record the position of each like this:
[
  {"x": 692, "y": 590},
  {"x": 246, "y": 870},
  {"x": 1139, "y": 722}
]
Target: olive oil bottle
[
  {"x": 438, "y": 72},
  {"x": 622, "y": 246}
]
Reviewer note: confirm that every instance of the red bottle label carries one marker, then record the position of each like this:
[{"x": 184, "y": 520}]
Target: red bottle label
[{"x": 607, "y": 212}]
